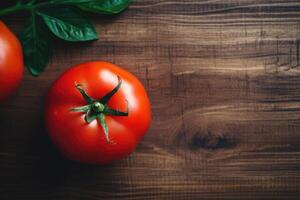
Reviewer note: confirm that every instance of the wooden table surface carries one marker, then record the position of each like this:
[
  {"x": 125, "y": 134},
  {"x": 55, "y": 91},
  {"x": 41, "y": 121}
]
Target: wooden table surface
[{"x": 224, "y": 81}]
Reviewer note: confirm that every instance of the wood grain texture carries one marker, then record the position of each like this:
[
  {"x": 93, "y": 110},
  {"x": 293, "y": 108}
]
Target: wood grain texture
[{"x": 224, "y": 82}]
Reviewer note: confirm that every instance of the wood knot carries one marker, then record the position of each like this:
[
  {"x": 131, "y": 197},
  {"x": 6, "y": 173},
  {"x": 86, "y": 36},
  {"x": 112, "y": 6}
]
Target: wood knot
[{"x": 209, "y": 141}]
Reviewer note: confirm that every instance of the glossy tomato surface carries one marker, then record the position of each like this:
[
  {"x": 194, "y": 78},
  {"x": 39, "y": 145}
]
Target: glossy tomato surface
[
  {"x": 11, "y": 62},
  {"x": 86, "y": 142}
]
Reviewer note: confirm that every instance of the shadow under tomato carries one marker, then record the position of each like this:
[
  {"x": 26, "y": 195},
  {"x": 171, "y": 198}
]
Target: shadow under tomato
[
  {"x": 52, "y": 170},
  {"x": 31, "y": 166}
]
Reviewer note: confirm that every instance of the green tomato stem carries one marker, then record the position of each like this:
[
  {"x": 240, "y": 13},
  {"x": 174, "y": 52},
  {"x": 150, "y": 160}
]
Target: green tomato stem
[
  {"x": 16, "y": 8},
  {"x": 98, "y": 109},
  {"x": 30, "y": 6}
]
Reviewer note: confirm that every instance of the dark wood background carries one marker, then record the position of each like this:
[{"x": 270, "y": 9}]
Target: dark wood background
[{"x": 224, "y": 81}]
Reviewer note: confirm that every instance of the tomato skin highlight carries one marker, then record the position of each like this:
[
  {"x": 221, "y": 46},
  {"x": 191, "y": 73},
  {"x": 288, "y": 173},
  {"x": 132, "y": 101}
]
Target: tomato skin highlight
[
  {"x": 86, "y": 142},
  {"x": 11, "y": 62}
]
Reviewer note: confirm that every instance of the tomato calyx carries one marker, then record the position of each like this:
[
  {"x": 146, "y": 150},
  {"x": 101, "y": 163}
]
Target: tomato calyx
[{"x": 98, "y": 109}]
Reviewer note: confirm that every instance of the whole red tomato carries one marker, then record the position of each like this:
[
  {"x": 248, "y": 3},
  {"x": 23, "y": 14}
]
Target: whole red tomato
[
  {"x": 11, "y": 62},
  {"x": 97, "y": 113}
]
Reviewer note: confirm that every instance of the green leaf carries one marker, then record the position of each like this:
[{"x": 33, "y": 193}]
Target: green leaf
[
  {"x": 67, "y": 24},
  {"x": 36, "y": 45},
  {"x": 108, "y": 7}
]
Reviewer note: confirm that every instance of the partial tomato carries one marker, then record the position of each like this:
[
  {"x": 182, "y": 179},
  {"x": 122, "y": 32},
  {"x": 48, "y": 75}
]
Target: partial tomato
[
  {"x": 97, "y": 113},
  {"x": 11, "y": 62}
]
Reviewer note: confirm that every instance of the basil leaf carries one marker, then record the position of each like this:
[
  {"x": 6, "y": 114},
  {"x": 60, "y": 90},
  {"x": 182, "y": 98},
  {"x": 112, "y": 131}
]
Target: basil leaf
[
  {"x": 108, "y": 7},
  {"x": 36, "y": 45},
  {"x": 68, "y": 24}
]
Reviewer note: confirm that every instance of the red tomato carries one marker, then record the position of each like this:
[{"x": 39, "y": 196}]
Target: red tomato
[
  {"x": 11, "y": 62},
  {"x": 97, "y": 113}
]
